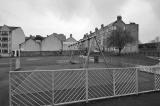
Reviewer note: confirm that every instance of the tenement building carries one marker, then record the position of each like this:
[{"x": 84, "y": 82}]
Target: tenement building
[
  {"x": 10, "y": 38},
  {"x": 105, "y": 31}
]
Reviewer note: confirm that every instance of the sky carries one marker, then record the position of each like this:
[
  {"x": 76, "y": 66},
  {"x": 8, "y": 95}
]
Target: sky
[{"x": 77, "y": 17}]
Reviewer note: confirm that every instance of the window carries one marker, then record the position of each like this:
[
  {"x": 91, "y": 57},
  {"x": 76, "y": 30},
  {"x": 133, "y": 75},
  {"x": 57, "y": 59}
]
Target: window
[
  {"x": 4, "y": 51},
  {"x": 4, "y": 45},
  {"x": 5, "y": 39},
  {"x": 4, "y": 32}
]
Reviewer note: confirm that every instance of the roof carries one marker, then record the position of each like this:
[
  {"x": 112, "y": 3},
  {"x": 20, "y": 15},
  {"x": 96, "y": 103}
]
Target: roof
[
  {"x": 13, "y": 28},
  {"x": 39, "y": 37},
  {"x": 27, "y": 39},
  {"x": 71, "y": 39},
  {"x": 119, "y": 19},
  {"x": 10, "y": 27},
  {"x": 61, "y": 37}
]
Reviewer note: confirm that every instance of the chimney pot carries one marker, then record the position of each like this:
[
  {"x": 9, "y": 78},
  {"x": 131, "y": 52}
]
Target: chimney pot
[
  {"x": 70, "y": 35},
  {"x": 119, "y": 18},
  {"x": 102, "y": 26},
  {"x": 96, "y": 29}
]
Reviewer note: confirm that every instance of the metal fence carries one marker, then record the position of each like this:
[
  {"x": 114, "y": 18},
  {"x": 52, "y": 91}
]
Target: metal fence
[{"x": 56, "y": 87}]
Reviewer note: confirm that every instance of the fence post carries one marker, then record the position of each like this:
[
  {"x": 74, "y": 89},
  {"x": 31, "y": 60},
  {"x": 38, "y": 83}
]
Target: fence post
[
  {"x": 155, "y": 83},
  {"x": 136, "y": 81},
  {"x": 86, "y": 85},
  {"x": 10, "y": 90},
  {"x": 114, "y": 83},
  {"x": 52, "y": 88}
]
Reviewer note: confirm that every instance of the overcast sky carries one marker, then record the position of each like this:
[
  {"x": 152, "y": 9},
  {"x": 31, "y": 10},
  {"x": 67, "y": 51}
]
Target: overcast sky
[{"x": 78, "y": 17}]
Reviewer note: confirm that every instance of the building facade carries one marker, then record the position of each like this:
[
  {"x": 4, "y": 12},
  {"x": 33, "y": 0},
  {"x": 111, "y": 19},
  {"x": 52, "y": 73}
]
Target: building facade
[
  {"x": 53, "y": 42},
  {"x": 105, "y": 31},
  {"x": 10, "y": 38},
  {"x": 30, "y": 45},
  {"x": 68, "y": 42}
]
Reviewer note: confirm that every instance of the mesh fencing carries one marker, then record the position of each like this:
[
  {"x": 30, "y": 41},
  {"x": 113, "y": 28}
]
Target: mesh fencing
[
  {"x": 157, "y": 78},
  {"x": 125, "y": 81},
  {"x": 100, "y": 83},
  {"x": 69, "y": 86},
  {"x": 55, "y": 87},
  {"x": 31, "y": 88}
]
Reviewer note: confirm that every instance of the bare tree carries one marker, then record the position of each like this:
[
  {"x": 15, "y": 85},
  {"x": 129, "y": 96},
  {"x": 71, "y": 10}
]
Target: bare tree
[{"x": 119, "y": 39}]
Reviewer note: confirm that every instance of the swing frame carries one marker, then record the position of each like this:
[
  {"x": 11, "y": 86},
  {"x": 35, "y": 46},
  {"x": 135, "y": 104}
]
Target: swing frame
[{"x": 89, "y": 46}]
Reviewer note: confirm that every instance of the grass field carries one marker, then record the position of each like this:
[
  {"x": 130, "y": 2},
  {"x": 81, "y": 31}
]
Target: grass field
[{"x": 52, "y": 63}]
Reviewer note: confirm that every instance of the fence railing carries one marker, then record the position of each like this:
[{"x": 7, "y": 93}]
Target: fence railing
[{"x": 56, "y": 87}]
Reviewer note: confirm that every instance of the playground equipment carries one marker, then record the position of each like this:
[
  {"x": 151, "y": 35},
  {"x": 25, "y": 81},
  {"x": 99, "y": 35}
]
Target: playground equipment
[{"x": 92, "y": 46}]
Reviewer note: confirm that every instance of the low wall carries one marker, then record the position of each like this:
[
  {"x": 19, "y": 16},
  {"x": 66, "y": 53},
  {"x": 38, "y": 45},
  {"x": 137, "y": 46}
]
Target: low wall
[
  {"x": 39, "y": 53},
  {"x": 78, "y": 52},
  {"x": 49, "y": 53},
  {"x": 150, "y": 53}
]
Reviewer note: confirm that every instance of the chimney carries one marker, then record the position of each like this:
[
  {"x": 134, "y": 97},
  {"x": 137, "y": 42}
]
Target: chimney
[
  {"x": 90, "y": 32},
  {"x": 132, "y": 23},
  {"x": 96, "y": 29},
  {"x": 70, "y": 35},
  {"x": 102, "y": 26},
  {"x": 84, "y": 36},
  {"x": 119, "y": 18}
]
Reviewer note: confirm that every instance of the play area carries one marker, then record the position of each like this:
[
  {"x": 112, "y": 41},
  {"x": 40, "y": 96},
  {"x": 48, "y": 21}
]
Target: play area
[
  {"x": 50, "y": 63},
  {"x": 90, "y": 57},
  {"x": 81, "y": 76},
  {"x": 67, "y": 86}
]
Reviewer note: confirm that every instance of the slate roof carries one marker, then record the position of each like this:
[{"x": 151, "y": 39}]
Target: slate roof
[
  {"x": 39, "y": 37},
  {"x": 10, "y": 27},
  {"x": 71, "y": 39},
  {"x": 61, "y": 37}
]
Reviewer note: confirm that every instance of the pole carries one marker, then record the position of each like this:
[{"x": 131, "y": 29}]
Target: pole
[
  {"x": 100, "y": 51},
  {"x": 10, "y": 52},
  {"x": 114, "y": 83},
  {"x": 87, "y": 59},
  {"x": 52, "y": 88},
  {"x": 10, "y": 62},
  {"x": 10, "y": 96},
  {"x": 136, "y": 81},
  {"x": 86, "y": 66},
  {"x": 71, "y": 55},
  {"x": 155, "y": 81}
]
